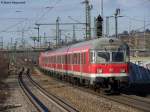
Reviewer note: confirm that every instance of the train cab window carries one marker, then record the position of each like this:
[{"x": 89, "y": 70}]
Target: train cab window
[
  {"x": 117, "y": 56},
  {"x": 103, "y": 57}
]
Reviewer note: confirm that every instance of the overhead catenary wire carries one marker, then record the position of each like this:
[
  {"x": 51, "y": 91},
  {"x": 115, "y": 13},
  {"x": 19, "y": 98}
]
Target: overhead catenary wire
[
  {"x": 49, "y": 9},
  {"x": 12, "y": 26}
]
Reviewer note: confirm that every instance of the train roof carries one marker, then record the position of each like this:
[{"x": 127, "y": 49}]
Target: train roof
[{"x": 100, "y": 43}]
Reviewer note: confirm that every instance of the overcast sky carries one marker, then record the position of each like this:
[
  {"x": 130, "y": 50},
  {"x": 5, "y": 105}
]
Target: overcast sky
[{"x": 16, "y": 17}]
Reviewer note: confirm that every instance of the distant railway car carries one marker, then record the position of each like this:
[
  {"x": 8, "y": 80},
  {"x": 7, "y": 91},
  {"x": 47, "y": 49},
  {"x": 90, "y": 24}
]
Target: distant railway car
[{"x": 99, "y": 62}]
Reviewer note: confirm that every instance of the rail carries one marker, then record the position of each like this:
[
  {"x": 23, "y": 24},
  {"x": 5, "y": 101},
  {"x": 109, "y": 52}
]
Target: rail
[{"x": 61, "y": 103}]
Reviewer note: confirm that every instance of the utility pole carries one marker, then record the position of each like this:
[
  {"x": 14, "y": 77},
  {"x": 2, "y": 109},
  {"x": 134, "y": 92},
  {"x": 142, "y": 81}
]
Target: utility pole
[
  {"x": 22, "y": 39},
  {"x": 95, "y": 27},
  {"x": 144, "y": 34},
  {"x": 57, "y": 32},
  {"x": 59, "y": 40},
  {"x": 38, "y": 29},
  {"x": 45, "y": 41},
  {"x": 116, "y": 21},
  {"x": 1, "y": 43},
  {"x": 74, "y": 34},
  {"x": 15, "y": 48},
  {"x": 107, "y": 26},
  {"x": 39, "y": 40},
  {"x": 88, "y": 8},
  {"x": 102, "y": 14}
]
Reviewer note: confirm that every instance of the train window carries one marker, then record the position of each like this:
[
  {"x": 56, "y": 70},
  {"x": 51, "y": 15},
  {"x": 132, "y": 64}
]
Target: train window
[
  {"x": 84, "y": 58},
  {"x": 55, "y": 59},
  {"x": 46, "y": 60},
  {"x": 92, "y": 57},
  {"x": 62, "y": 61},
  {"x": 52, "y": 60},
  {"x": 117, "y": 56},
  {"x": 66, "y": 56},
  {"x": 65, "y": 59},
  {"x": 103, "y": 57},
  {"x": 77, "y": 61},
  {"x": 72, "y": 58},
  {"x": 68, "y": 59},
  {"x": 59, "y": 59},
  {"x": 81, "y": 58},
  {"x": 75, "y": 58},
  {"x": 78, "y": 58}
]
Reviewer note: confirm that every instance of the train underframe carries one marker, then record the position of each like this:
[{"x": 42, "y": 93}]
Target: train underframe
[{"x": 109, "y": 84}]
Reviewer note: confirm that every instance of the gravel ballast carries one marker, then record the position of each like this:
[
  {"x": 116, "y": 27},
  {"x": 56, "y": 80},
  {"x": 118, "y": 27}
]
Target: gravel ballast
[{"x": 85, "y": 102}]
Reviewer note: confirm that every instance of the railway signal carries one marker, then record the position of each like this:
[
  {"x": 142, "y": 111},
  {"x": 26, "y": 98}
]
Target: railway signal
[{"x": 99, "y": 26}]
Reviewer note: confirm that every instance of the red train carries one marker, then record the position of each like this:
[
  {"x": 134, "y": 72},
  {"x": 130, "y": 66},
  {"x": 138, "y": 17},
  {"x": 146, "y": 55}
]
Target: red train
[{"x": 99, "y": 62}]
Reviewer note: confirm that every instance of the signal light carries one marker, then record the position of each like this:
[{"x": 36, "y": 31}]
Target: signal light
[{"x": 99, "y": 26}]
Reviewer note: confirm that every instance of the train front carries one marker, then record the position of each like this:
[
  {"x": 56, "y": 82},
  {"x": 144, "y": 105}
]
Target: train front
[{"x": 110, "y": 63}]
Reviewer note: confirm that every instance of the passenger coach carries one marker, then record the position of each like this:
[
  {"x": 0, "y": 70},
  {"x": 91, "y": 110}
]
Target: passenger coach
[{"x": 102, "y": 61}]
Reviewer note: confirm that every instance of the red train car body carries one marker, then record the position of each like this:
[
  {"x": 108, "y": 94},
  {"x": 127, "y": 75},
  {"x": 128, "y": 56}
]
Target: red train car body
[{"x": 99, "y": 61}]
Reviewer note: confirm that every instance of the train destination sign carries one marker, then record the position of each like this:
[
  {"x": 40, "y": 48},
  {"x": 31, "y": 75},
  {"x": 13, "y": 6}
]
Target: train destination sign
[{"x": 12, "y": 2}]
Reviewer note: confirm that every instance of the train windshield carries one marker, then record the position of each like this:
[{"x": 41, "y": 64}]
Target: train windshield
[
  {"x": 110, "y": 57},
  {"x": 117, "y": 56},
  {"x": 103, "y": 57}
]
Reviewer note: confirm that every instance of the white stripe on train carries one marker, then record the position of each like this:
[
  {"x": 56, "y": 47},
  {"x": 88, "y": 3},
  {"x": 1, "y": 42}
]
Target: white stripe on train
[{"x": 87, "y": 74}]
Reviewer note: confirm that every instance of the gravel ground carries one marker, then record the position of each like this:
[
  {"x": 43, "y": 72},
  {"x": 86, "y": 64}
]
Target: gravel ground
[
  {"x": 85, "y": 102},
  {"x": 42, "y": 97},
  {"x": 14, "y": 99}
]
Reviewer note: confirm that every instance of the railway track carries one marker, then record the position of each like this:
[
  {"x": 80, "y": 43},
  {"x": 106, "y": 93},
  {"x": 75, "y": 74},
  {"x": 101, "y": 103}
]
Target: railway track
[
  {"x": 43, "y": 100},
  {"x": 131, "y": 101}
]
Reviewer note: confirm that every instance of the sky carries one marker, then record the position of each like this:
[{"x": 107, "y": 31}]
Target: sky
[{"x": 15, "y": 18}]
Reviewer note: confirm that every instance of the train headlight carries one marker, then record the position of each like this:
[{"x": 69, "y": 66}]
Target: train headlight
[
  {"x": 99, "y": 71},
  {"x": 111, "y": 70},
  {"x": 122, "y": 70}
]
